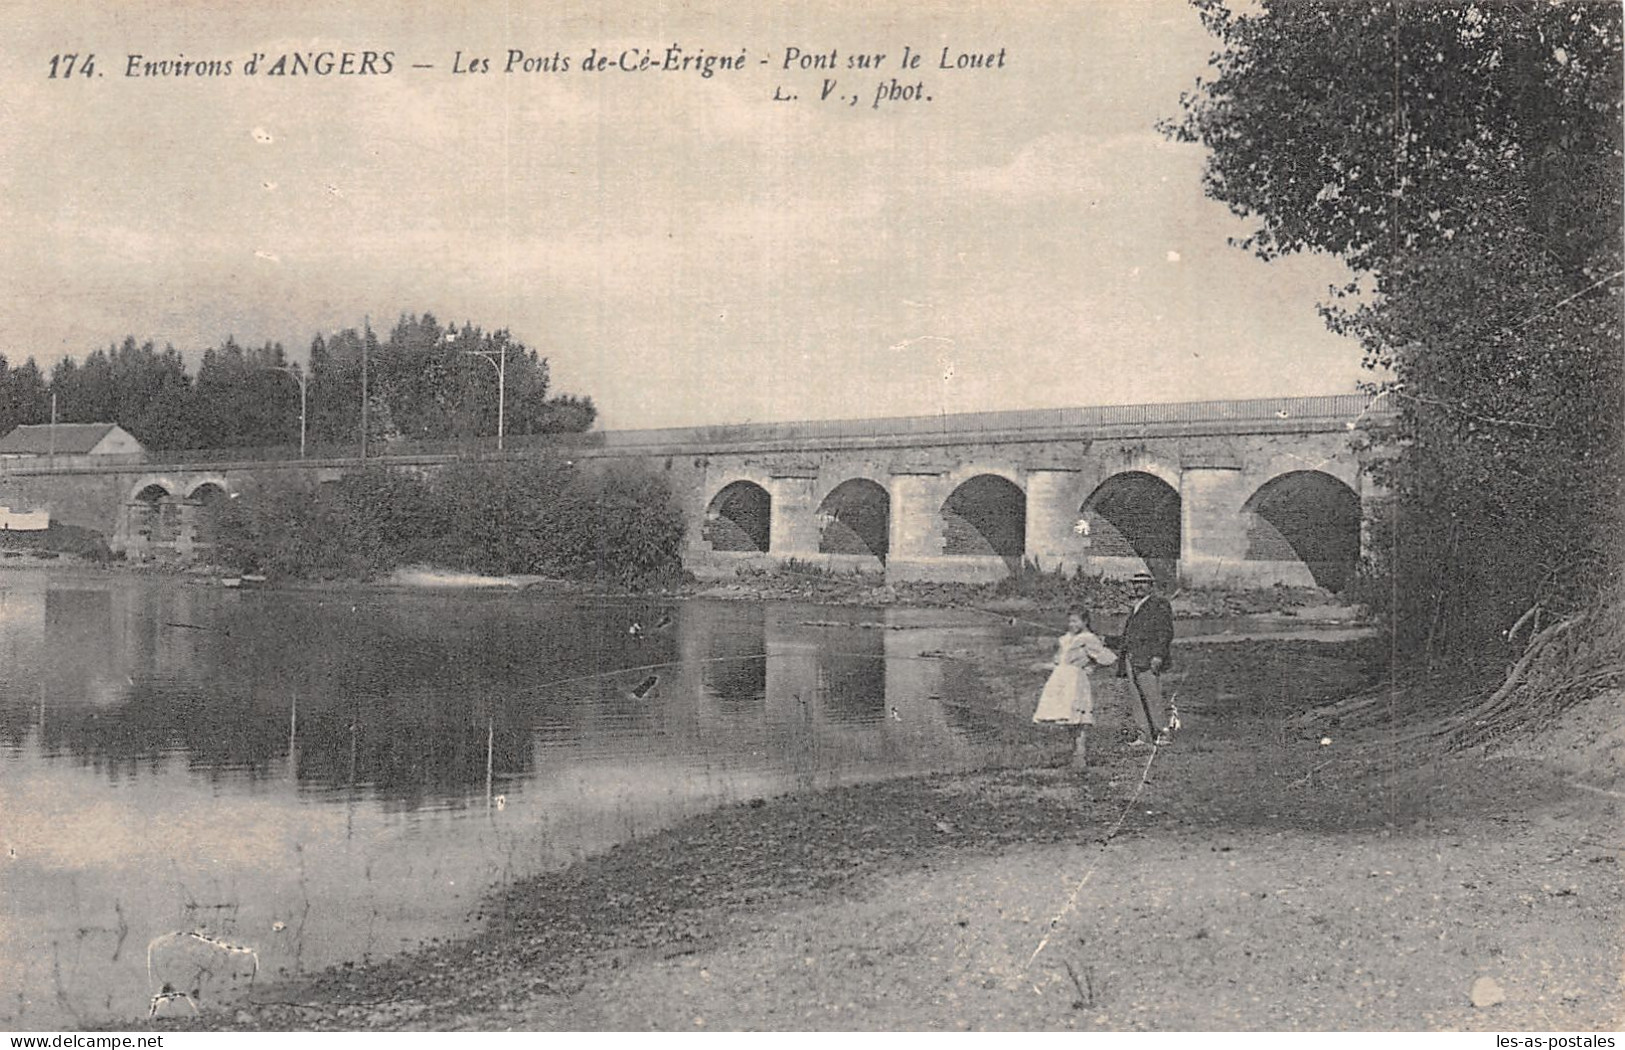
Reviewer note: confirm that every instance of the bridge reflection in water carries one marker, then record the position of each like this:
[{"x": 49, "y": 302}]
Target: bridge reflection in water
[{"x": 322, "y": 775}]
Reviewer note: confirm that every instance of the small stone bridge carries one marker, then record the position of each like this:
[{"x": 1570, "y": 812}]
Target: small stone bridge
[{"x": 1247, "y": 493}]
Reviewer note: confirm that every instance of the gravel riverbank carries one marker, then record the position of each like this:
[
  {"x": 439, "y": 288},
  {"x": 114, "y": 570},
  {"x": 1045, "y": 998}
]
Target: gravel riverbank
[{"x": 1253, "y": 876}]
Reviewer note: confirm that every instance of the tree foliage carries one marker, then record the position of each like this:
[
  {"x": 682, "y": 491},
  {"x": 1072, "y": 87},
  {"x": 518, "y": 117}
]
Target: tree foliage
[
  {"x": 429, "y": 381},
  {"x": 239, "y": 401},
  {"x": 24, "y": 395},
  {"x": 421, "y": 385},
  {"x": 1465, "y": 160},
  {"x": 541, "y": 515}
]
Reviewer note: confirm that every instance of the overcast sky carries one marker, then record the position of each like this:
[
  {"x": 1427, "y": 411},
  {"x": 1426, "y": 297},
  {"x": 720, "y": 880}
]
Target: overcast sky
[{"x": 683, "y": 249}]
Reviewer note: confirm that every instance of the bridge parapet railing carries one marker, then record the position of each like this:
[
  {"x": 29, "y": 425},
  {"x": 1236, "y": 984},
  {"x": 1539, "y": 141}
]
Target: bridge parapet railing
[
  {"x": 965, "y": 425},
  {"x": 1340, "y": 407},
  {"x": 378, "y": 450}
]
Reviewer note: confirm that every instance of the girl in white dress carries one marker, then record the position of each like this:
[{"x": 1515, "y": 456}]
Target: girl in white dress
[{"x": 1067, "y": 699}]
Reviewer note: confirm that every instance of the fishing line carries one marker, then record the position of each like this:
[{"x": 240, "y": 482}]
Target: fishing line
[
  {"x": 1111, "y": 833},
  {"x": 1072, "y": 900},
  {"x": 781, "y": 651},
  {"x": 1009, "y": 619}
]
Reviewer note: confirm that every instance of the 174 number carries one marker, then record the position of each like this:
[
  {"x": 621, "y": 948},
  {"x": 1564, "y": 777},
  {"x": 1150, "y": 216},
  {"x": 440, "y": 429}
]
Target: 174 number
[{"x": 64, "y": 66}]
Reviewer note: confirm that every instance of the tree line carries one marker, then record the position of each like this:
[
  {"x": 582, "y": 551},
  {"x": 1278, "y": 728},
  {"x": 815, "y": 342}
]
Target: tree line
[
  {"x": 1465, "y": 160},
  {"x": 424, "y": 381}
]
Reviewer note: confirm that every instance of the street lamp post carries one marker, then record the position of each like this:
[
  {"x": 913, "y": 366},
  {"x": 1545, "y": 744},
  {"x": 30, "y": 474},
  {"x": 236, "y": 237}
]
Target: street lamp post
[
  {"x": 498, "y": 359},
  {"x": 303, "y": 381},
  {"x": 366, "y": 337}
]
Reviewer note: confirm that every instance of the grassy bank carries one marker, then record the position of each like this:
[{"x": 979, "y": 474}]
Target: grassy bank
[{"x": 1026, "y": 588}]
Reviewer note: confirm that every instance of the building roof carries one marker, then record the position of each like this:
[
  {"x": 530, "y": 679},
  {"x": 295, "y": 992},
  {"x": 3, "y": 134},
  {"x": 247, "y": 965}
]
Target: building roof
[{"x": 69, "y": 439}]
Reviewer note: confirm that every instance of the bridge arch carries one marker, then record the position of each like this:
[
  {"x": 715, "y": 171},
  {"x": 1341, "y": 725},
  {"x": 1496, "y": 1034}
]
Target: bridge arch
[
  {"x": 207, "y": 497},
  {"x": 1262, "y": 469},
  {"x": 855, "y": 518},
  {"x": 1307, "y": 516},
  {"x": 215, "y": 482},
  {"x": 151, "y": 489},
  {"x": 739, "y": 518},
  {"x": 1135, "y": 514},
  {"x": 985, "y": 515},
  {"x": 1143, "y": 463},
  {"x": 152, "y": 514}
]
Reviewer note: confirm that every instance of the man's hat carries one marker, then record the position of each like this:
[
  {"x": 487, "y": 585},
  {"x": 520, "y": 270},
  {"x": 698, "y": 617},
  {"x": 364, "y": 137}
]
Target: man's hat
[{"x": 1142, "y": 577}]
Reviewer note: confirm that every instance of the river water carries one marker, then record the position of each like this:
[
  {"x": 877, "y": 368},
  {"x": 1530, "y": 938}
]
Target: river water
[{"x": 204, "y": 788}]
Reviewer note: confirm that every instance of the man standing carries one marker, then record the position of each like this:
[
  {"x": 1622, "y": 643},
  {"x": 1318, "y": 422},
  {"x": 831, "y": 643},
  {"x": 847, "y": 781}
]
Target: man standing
[{"x": 1147, "y": 638}]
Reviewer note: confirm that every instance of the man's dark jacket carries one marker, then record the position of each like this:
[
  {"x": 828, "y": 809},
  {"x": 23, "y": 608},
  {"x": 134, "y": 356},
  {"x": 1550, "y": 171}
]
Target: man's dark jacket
[{"x": 1149, "y": 632}]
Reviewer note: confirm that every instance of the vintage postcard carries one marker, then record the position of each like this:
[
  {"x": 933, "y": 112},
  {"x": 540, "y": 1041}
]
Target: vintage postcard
[{"x": 709, "y": 516}]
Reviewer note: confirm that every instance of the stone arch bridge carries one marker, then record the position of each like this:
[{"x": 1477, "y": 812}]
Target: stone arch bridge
[{"x": 1253, "y": 492}]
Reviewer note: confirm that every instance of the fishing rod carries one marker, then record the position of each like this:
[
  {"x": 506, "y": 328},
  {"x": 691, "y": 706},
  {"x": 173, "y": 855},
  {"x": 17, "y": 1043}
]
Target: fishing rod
[
  {"x": 198, "y": 627},
  {"x": 1009, "y": 619},
  {"x": 763, "y": 655}
]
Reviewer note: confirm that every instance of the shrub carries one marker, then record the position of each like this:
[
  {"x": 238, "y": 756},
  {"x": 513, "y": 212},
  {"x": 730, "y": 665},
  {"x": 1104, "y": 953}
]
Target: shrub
[
  {"x": 538, "y": 515},
  {"x": 503, "y": 517},
  {"x": 626, "y": 528},
  {"x": 1031, "y": 580}
]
